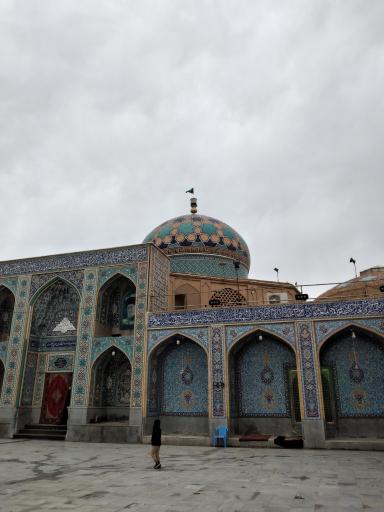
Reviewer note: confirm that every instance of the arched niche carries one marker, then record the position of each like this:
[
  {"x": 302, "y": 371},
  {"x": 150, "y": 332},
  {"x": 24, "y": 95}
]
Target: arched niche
[
  {"x": 115, "y": 314},
  {"x": 7, "y": 304},
  {"x": 352, "y": 369},
  {"x": 55, "y": 311},
  {"x": 53, "y": 328},
  {"x": 178, "y": 386},
  {"x": 110, "y": 387},
  {"x": 187, "y": 297},
  {"x": 263, "y": 381}
]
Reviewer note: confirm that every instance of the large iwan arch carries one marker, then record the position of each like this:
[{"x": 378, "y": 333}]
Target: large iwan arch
[
  {"x": 52, "y": 341},
  {"x": 178, "y": 386},
  {"x": 264, "y": 395},
  {"x": 352, "y": 370},
  {"x": 110, "y": 398}
]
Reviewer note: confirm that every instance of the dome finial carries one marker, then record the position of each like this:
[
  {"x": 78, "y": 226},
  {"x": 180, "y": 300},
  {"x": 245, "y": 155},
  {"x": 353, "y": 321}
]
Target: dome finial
[{"x": 193, "y": 201}]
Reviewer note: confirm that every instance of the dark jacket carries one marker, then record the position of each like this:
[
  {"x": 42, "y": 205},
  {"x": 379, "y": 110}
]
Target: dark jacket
[{"x": 156, "y": 434}]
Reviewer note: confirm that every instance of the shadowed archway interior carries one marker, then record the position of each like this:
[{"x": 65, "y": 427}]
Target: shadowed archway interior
[
  {"x": 7, "y": 303},
  {"x": 178, "y": 385},
  {"x": 115, "y": 314},
  {"x": 263, "y": 387},
  {"x": 111, "y": 386},
  {"x": 352, "y": 368}
]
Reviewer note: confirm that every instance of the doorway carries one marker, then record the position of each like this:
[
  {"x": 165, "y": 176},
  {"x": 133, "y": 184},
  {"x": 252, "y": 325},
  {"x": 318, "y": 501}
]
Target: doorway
[{"x": 56, "y": 398}]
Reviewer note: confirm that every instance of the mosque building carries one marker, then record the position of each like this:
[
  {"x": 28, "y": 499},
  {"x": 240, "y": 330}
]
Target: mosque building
[{"x": 95, "y": 345}]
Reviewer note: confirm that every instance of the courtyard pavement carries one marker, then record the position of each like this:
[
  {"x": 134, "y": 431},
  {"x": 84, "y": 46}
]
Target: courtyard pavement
[{"x": 61, "y": 476}]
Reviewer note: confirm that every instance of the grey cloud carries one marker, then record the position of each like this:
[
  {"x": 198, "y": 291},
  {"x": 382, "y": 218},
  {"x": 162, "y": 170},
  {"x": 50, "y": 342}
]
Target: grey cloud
[{"x": 274, "y": 112}]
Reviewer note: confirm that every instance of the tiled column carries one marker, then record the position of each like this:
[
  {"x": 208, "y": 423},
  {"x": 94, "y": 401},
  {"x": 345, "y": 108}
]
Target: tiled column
[
  {"x": 217, "y": 377},
  {"x": 313, "y": 421},
  {"x": 15, "y": 359},
  {"x": 85, "y": 332},
  {"x": 135, "y": 414}
]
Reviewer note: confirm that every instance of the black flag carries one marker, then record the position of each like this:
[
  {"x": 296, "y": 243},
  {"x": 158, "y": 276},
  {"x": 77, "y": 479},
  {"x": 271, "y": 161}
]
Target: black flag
[{"x": 190, "y": 191}]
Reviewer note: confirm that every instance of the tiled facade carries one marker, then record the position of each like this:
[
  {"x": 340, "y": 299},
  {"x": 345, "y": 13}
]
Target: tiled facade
[
  {"x": 207, "y": 364},
  {"x": 358, "y": 372},
  {"x": 212, "y": 266}
]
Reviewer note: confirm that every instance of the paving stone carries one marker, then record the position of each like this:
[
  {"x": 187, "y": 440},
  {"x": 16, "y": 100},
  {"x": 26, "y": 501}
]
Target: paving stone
[{"x": 49, "y": 475}]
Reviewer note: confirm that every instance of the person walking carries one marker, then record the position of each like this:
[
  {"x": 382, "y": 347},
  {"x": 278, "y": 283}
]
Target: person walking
[{"x": 156, "y": 443}]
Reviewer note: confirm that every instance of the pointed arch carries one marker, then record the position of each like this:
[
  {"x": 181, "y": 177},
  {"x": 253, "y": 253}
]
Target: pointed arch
[
  {"x": 263, "y": 385},
  {"x": 110, "y": 391},
  {"x": 55, "y": 309},
  {"x": 116, "y": 306},
  {"x": 352, "y": 365},
  {"x": 349, "y": 326},
  {"x": 101, "y": 346},
  {"x": 178, "y": 382},
  {"x": 174, "y": 334},
  {"x": 260, "y": 330},
  {"x": 130, "y": 272},
  {"x": 8, "y": 288},
  {"x": 7, "y": 306},
  {"x": 48, "y": 284}
]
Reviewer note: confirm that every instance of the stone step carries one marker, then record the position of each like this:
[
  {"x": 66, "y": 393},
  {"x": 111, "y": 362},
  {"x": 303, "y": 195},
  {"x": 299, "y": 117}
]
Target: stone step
[
  {"x": 182, "y": 440},
  {"x": 364, "y": 444},
  {"x": 43, "y": 431},
  {"x": 235, "y": 442},
  {"x": 45, "y": 426},
  {"x": 38, "y": 435}
]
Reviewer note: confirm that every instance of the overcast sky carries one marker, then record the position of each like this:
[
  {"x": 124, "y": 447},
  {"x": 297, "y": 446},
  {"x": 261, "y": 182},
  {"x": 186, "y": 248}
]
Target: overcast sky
[{"x": 273, "y": 111}]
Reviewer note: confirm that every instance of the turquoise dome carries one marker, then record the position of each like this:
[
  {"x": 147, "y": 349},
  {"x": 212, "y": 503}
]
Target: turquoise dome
[{"x": 194, "y": 233}]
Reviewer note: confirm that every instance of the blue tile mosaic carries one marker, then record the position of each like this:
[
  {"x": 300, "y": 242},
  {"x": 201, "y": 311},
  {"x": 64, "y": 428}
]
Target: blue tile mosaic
[
  {"x": 29, "y": 378},
  {"x": 129, "y": 271},
  {"x": 57, "y": 344},
  {"x": 200, "y": 335},
  {"x": 74, "y": 277},
  {"x": 306, "y": 345},
  {"x": 281, "y": 312},
  {"x": 282, "y": 330},
  {"x": 60, "y": 362},
  {"x": 261, "y": 369},
  {"x": 18, "y": 331},
  {"x": 3, "y": 350},
  {"x": 140, "y": 328},
  {"x": 74, "y": 260},
  {"x": 80, "y": 385},
  {"x": 199, "y": 234},
  {"x": 217, "y": 362},
  {"x": 358, "y": 367},
  {"x": 101, "y": 344},
  {"x": 204, "y": 265},
  {"x": 39, "y": 380},
  {"x": 10, "y": 283},
  {"x": 111, "y": 381},
  {"x": 55, "y": 311},
  {"x": 326, "y": 329},
  {"x": 178, "y": 381}
]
